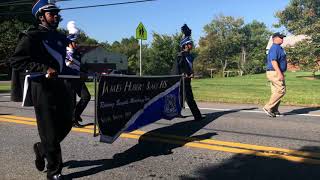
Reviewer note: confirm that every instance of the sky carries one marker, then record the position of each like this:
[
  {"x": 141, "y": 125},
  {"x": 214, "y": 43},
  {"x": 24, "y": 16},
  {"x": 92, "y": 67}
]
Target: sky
[{"x": 112, "y": 23}]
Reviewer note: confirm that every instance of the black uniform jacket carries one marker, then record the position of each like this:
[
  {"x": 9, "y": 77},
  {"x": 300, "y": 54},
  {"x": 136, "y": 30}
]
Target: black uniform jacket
[
  {"x": 182, "y": 66},
  {"x": 31, "y": 55}
]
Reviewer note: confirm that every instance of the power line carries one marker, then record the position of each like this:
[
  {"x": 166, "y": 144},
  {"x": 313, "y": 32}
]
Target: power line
[
  {"x": 14, "y": 2},
  {"x": 15, "y": 13},
  {"x": 22, "y": 2},
  {"x": 110, "y": 4},
  {"x": 82, "y": 7}
]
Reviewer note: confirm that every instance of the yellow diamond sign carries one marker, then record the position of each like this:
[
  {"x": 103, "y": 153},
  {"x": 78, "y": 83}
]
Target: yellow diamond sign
[{"x": 141, "y": 32}]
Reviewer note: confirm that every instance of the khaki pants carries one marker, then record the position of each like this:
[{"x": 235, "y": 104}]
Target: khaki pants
[{"x": 278, "y": 90}]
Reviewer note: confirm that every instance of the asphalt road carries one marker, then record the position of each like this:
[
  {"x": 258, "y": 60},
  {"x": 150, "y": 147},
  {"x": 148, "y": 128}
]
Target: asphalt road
[{"x": 233, "y": 142}]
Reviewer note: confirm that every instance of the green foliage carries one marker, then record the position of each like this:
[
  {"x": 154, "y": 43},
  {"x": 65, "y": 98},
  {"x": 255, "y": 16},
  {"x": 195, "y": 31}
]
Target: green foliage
[
  {"x": 302, "y": 55},
  {"x": 129, "y": 47},
  {"x": 163, "y": 53},
  {"x": 19, "y": 10},
  {"x": 86, "y": 40},
  {"x": 231, "y": 44},
  {"x": 303, "y": 17},
  {"x": 256, "y": 36},
  {"x": 9, "y": 31},
  {"x": 156, "y": 59},
  {"x": 300, "y": 16},
  {"x": 222, "y": 42},
  {"x": 14, "y": 17}
]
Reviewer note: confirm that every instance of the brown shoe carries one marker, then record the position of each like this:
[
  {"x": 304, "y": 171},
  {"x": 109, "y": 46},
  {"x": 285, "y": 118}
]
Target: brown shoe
[
  {"x": 278, "y": 114},
  {"x": 269, "y": 112}
]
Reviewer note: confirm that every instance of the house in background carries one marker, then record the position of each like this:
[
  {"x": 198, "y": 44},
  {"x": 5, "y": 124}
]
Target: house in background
[
  {"x": 97, "y": 59},
  {"x": 289, "y": 41}
]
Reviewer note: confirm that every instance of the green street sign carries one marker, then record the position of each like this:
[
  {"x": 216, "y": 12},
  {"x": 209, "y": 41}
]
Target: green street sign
[{"x": 141, "y": 32}]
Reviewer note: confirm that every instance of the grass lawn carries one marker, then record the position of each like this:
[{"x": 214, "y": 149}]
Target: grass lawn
[
  {"x": 302, "y": 89},
  {"x": 5, "y": 87}
]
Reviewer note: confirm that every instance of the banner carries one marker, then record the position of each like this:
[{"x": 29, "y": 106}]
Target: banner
[{"x": 126, "y": 103}]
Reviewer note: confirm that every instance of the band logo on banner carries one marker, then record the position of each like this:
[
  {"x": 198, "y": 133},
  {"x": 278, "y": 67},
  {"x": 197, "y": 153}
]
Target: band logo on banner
[{"x": 127, "y": 103}]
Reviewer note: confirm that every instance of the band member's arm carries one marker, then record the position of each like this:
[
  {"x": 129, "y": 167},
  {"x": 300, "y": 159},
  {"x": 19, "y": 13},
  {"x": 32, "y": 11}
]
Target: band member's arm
[
  {"x": 24, "y": 59},
  {"x": 277, "y": 69},
  {"x": 180, "y": 64}
]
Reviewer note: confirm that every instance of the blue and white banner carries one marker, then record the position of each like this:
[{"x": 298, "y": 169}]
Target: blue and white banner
[
  {"x": 27, "y": 97},
  {"x": 126, "y": 103}
]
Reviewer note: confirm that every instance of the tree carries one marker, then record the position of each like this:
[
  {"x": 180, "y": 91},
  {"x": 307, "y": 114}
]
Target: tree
[
  {"x": 303, "y": 17},
  {"x": 162, "y": 54},
  {"x": 129, "y": 47},
  {"x": 255, "y": 38},
  {"x": 302, "y": 55},
  {"x": 84, "y": 39},
  {"x": 231, "y": 44},
  {"x": 9, "y": 31},
  {"x": 222, "y": 43},
  {"x": 19, "y": 10},
  {"x": 14, "y": 17}
]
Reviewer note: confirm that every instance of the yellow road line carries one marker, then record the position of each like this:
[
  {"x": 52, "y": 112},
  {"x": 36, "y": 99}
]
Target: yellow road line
[
  {"x": 9, "y": 117},
  {"x": 35, "y": 123},
  {"x": 238, "y": 151},
  {"x": 18, "y": 117},
  {"x": 232, "y": 147},
  {"x": 239, "y": 145}
]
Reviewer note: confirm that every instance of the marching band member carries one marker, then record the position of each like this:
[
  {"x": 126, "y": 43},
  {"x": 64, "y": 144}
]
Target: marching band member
[
  {"x": 42, "y": 49},
  {"x": 185, "y": 66},
  {"x": 73, "y": 60}
]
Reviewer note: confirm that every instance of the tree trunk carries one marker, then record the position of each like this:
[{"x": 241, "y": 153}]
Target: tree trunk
[
  {"x": 224, "y": 65},
  {"x": 242, "y": 61},
  {"x": 314, "y": 73}
]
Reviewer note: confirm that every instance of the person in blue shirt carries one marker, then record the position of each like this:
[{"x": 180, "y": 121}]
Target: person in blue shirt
[{"x": 276, "y": 66}]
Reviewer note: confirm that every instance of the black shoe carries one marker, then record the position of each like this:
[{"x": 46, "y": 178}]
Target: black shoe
[
  {"x": 79, "y": 119},
  {"x": 39, "y": 162},
  {"x": 181, "y": 116},
  {"x": 77, "y": 124},
  {"x": 56, "y": 177},
  {"x": 269, "y": 113},
  {"x": 278, "y": 114},
  {"x": 199, "y": 118}
]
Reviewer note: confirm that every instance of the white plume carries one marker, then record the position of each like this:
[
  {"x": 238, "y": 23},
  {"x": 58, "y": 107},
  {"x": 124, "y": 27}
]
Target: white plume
[{"x": 71, "y": 26}]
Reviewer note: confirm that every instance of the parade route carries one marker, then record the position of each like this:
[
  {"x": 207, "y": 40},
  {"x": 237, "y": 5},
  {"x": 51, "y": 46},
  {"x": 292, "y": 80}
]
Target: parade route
[{"x": 234, "y": 140}]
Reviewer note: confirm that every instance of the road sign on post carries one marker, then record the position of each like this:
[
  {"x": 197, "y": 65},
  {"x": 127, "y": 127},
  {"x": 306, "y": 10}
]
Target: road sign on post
[{"x": 141, "y": 33}]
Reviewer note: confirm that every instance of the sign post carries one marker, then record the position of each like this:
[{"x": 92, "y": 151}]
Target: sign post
[{"x": 141, "y": 33}]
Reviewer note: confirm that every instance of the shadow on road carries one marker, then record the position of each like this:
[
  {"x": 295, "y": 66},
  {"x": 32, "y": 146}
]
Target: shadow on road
[
  {"x": 262, "y": 168},
  {"x": 302, "y": 110},
  {"x": 153, "y": 143},
  {"x": 4, "y": 91}
]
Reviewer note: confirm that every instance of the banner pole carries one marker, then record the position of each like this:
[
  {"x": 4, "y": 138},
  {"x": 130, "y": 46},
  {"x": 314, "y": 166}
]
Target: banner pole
[
  {"x": 183, "y": 94},
  {"x": 140, "y": 57},
  {"x": 95, "y": 105}
]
